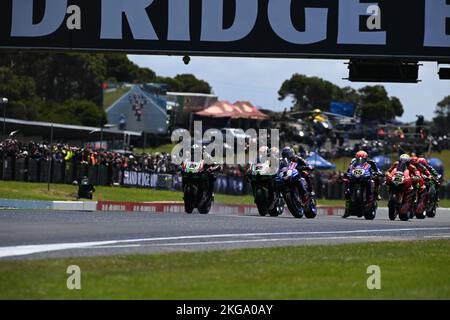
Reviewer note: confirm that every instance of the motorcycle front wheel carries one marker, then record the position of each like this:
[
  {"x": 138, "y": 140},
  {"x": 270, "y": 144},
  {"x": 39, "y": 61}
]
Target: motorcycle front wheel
[
  {"x": 189, "y": 205},
  {"x": 205, "y": 207},
  {"x": 431, "y": 213},
  {"x": 371, "y": 213},
  {"x": 392, "y": 208},
  {"x": 419, "y": 215},
  {"x": 261, "y": 202},
  {"x": 278, "y": 209},
  {"x": 311, "y": 210},
  {"x": 293, "y": 205}
]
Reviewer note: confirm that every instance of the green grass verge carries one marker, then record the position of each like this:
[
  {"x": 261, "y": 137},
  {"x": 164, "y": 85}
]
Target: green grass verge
[
  {"x": 409, "y": 270},
  {"x": 110, "y": 97},
  {"x": 38, "y": 191}
]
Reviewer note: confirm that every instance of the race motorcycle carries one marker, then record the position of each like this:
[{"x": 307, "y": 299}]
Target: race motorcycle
[
  {"x": 362, "y": 203},
  {"x": 196, "y": 187},
  {"x": 295, "y": 190},
  {"x": 421, "y": 206},
  {"x": 433, "y": 189},
  {"x": 267, "y": 198},
  {"x": 401, "y": 195}
]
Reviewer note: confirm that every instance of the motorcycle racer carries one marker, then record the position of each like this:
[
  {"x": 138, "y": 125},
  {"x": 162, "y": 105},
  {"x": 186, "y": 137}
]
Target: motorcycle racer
[
  {"x": 404, "y": 164},
  {"x": 288, "y": 153},
  {"x": 211, "y": 167},
  {"x": 424, "y": 166},
  {"x": 362, "y": 158}
]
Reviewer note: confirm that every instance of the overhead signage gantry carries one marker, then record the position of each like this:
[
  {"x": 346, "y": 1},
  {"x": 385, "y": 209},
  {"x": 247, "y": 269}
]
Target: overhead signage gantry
[{"x": 392, "y": 34}]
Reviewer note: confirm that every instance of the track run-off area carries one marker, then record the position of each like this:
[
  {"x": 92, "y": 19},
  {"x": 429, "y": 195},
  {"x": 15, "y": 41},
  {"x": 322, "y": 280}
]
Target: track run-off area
[{"x": 54, "y": 234}]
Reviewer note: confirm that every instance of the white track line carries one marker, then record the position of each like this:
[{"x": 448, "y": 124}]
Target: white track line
[
  {"x": 32, "y": 249},
  {"x": 232, "y": 242},
  {"x": 436, "y": 236}
]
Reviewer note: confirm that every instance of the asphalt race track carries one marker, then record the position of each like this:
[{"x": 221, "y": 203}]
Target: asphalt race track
[{"x": 40, "y": 234}]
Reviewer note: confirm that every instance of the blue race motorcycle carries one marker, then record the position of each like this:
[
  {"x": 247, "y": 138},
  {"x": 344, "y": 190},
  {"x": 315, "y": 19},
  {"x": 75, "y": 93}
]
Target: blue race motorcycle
[
  {"x": 294, "y": 189},
  {"x": 362, "y": 200}
]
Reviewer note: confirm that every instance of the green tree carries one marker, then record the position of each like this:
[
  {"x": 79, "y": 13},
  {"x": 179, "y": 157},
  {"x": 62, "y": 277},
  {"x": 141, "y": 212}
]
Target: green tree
[
  {"x": 185, "y": 83},
  {"x": 375, "y": 104},
  {"x": 75, "y": 76},
  {"x": 20, "y": 91},
  {"x": 309, "y": 91},
  {"x": 145, "y": 75},
  {"x": 119, "y": 67},
  {"x": 348, "y": 95},
  {"x": 77, "y": 112},
  {"x": 60, "y": 76},
  {"x": 441, "y": 122},
  {"x": 64, "y": 87},
  {"x": 189, "y": 83}
]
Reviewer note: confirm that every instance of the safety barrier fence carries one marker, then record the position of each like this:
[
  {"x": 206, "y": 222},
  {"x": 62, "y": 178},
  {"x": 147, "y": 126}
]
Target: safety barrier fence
[{"x": 66, "y": 172}]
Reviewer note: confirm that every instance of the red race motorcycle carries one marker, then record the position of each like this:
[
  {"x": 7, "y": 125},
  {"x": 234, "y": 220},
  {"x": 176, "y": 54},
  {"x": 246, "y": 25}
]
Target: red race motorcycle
[
  {"x": 401, "y": 194},
  {"x": 421, "y": 206}
]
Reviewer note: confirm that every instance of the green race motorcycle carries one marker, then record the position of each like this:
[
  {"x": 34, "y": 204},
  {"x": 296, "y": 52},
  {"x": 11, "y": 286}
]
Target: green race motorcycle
[
  {"x": 196, "y": 187},
  {"x": 268, "y": 199}
]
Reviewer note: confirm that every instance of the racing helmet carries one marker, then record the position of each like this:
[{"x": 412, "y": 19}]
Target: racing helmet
[
  {"x": 287, "y": 153},
  {"x": 405, "y": 159},
  {"x": 361, "y": 157},
  {"x": 414, "y": 160},
  {"x": 423, "y": 161}
]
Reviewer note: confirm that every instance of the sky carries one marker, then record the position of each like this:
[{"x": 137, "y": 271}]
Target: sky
[{"x": 259, "y": 79}]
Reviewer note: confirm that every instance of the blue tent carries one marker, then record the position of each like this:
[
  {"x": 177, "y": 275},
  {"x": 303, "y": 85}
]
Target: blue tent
[
  {"x": 382, "y": 162},
  {"x": 437, "y": 164},
  {"x": 320, "y": 163}
]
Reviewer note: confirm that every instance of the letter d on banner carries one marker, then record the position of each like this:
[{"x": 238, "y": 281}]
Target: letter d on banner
[{"x": 22, "y": 18}]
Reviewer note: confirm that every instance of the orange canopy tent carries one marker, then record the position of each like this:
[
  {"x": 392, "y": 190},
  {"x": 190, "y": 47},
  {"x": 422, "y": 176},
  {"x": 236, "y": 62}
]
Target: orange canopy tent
[{"x": 238, "y": 110}]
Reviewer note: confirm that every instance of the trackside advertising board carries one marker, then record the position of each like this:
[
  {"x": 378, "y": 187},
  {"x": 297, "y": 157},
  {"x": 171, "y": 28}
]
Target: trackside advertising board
[{"x": 417, "y": 29}]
